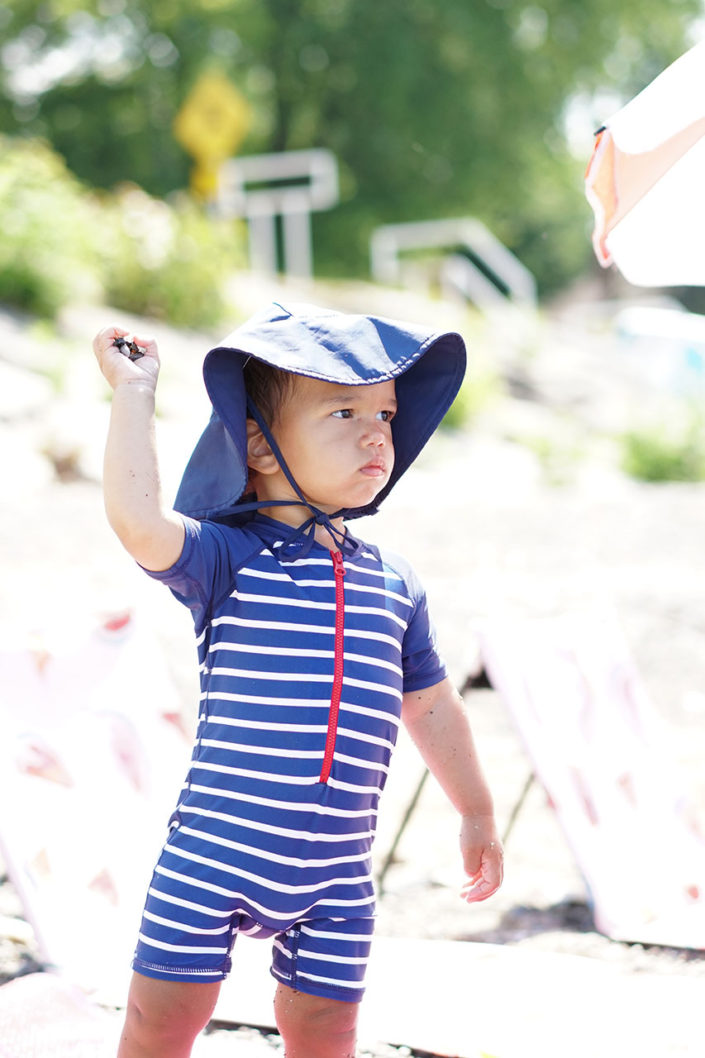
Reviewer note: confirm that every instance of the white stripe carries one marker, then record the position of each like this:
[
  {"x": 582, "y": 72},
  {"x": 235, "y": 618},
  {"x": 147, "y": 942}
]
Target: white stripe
[
  {"x": 361, "y": 762},
  {"x": 349, "y": 564},
  {"x": 263, "y": 725},
  {"x": 295, "y": 780},
  {"x": 259, "y": 879},
  {"x": 309, "y": 604},
  {"x": 265, "y": 574},
  {"x": 365, "y": 659},
  {"x": 329, "y": 980},
  {"x": 351, "y": 960},
  {"x": 297, "y": 652},
  {"x": 187, "y": 904},
  {"x": 377, "y": 714},
  {"x": 282, "y": 600},
  {"x": 279, "y": 652},
  {"x": 308, "y": 729},
  {"x": 338, "y": 903},
  {"x": 289, "y": 626},
  {"x": 284, "y": 806},
  {"x": 185, "y": 928},
  {"x": 301, "y": 677},
  {"x": 263, "y": 751},
  {"x": 254, "y": 699},
  {"x": 275, "y": 677},
  {"x": 269, "y": 828},
  {"x": 211, "y": 887},
  {"x": 352, "y": 787},
  {"x": 252, "y": 931},
  {"x": 299, "y": 582},
  {"x": 379, "y": 613},
  {"x": 370, "y": 589},
  {"x": 361, "y": 633},
  {"x": 373, "y": 590},
  {"x": 387, "y": 574},
  {"x": 362, "y": 736},
  {"x": 186, "y": 950},
  {"x": 289, "y": 917},
  {"x": 278, "y": 626},
  {"x": 368, "y": 685},
  {"x": 328, "y": 562},
  {"x": 271, "y": 857},
  {"x": 327, "y": 935}
]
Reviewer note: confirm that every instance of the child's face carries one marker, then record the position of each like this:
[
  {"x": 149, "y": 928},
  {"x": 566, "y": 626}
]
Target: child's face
[{"x": 337, "y": 443}]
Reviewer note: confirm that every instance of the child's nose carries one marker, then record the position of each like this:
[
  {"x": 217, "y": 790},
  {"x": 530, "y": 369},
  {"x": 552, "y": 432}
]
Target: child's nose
[{"x": 374, "y": 435}]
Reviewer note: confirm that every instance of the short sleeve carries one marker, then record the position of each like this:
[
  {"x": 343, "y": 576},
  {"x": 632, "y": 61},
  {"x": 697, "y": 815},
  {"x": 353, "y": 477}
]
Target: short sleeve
[
  {"x": 421, "y": 663},
  {"x": 204, "y": 573}
]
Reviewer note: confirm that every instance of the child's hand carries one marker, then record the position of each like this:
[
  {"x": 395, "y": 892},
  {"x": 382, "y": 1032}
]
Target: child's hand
[
  {"x": 117, "y": 367},
  {"x": 483, "y": 858}
]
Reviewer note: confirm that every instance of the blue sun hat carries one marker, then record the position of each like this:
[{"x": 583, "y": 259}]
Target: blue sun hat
[{"x": 346, "y": 349}]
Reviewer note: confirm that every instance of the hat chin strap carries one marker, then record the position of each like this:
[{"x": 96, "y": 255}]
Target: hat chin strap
[{"x": 301, "y": 539}]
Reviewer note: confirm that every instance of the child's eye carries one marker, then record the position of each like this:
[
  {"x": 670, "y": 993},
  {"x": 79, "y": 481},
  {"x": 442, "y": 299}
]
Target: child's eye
[
  {"x": 385, "y": 416},
  {"x": 343, "y": 413}
]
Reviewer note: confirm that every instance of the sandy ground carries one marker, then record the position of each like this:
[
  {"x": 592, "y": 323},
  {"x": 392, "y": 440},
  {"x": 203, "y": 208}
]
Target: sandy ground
[{"x": 486, "y": 533}]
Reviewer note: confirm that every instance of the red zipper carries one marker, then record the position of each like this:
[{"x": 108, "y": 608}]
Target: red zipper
[{"x": 339, "y": 571}]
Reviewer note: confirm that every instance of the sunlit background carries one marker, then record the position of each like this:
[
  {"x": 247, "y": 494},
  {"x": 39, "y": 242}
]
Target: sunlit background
[{"x": 172, "y": 164}]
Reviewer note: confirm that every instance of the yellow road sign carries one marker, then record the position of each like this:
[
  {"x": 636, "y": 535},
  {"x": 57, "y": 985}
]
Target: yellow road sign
[{"x": 214, "y": 119}]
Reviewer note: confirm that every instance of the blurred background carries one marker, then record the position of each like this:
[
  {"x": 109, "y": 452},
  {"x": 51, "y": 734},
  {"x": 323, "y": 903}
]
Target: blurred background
[
  {"x": 119, "y": 119},
  {"x": 432, "y": 111},
  {"x": 429, "y": 162}
]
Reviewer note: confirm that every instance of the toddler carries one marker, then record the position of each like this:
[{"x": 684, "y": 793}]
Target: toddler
[{"x": 313, "y": 647}]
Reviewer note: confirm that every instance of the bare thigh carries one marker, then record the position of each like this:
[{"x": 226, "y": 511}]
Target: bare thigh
[
  {"x": 164, "y": 1017},
  {"x": 315, "y": 1027}
]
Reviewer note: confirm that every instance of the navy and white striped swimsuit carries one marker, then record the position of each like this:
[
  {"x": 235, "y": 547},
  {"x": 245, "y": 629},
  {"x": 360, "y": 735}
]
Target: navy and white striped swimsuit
[{"x": 304, "y": 661}]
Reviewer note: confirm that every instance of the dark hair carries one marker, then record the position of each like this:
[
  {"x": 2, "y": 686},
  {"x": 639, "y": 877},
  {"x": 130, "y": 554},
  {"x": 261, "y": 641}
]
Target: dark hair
[{"x": 266, "y": 387}]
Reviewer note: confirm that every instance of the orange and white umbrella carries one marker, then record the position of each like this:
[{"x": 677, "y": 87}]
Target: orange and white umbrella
[{"x": 646, "y": 180}]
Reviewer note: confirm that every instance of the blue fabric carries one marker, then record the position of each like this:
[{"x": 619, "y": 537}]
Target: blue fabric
[
  {"x": 257, "y": 836},
  {"x": 336, "y": 347}
]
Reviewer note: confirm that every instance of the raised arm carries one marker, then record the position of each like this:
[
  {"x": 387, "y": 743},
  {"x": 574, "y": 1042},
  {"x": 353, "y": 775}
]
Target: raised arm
[
  {"x": 437, "y": 722},
  {"x": 153, "y": 534}
]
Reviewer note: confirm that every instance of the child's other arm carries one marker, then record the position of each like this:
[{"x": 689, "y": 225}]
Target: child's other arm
[
  {"x": 437, "y": 722},
  {"x": 153, "y": 535}
]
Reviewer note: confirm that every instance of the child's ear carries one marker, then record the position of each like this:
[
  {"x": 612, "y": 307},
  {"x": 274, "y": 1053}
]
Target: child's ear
[{"x": 260, "y": 456}]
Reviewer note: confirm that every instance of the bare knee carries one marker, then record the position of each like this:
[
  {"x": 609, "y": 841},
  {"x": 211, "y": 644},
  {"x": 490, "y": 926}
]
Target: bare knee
[
  {"x": 164, "y": 1017},
  {"x": 314, "y": 1027}
]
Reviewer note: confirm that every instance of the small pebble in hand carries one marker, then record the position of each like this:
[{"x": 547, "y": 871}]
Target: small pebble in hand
[{"x": 129, "y": 349}]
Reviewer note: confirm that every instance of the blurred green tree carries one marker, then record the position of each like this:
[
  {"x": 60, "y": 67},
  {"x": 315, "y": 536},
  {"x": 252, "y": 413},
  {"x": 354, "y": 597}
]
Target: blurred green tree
[{"x": 433, "y": 109}]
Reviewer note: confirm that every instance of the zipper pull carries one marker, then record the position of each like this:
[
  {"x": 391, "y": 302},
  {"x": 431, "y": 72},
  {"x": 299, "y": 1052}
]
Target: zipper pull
[{"x": 338, "y": 567}]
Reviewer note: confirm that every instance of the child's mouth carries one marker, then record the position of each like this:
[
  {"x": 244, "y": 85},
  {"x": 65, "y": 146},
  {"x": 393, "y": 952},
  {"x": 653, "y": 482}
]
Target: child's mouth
[{"x": 374, "y": 470}]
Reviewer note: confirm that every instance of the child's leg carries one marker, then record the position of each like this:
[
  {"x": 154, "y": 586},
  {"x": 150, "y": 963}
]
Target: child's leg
[
  {"x": 313, "y": 1027},
  {"x": 164, "y": 1017}
]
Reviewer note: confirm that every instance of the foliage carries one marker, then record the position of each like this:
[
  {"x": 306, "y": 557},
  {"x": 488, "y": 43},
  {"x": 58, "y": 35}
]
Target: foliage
[
  {"x": 169, "y": 261},
  {"x": 46, "y": 248},
  {"x": 478, "y": 391},
  {"x": 141, "y": 254},
  {"x": 559, "y": 456},
  {"x": 433, "y": 109},
  {"x": 657, "y": 454}
]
